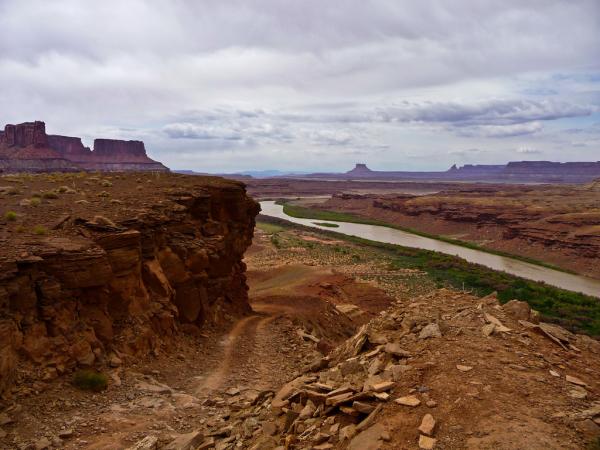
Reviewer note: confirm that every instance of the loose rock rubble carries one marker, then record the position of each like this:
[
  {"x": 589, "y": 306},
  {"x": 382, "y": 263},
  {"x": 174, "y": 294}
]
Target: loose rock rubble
[{"x": 395, "y": 383}]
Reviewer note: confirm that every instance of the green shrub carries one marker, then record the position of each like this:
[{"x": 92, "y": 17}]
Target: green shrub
[
  {"x": 10, "y": 216},
  {"x": 66, "y": 190},
  {"x": 90, "y": 380},
  {"x": 595, "y": 445},
  {"x": 35, "y": 201},
  {"x": 50, "y": 195},
  {"x": 327, "y": 224},
  {"x": 40, "y": 230}
]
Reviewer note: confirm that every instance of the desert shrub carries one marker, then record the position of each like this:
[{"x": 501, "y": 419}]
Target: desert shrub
[
  {"x": 40, "y": 230},
  {"x": 106, "y": 183},
  {"x": 327, "y": 224},
  {"x": 50, "y": 195},
  {"x": 20, "y": 229},
  {"x": 10, "y": 216},
  {"x": 595, "y": 445},
  {"x": 35, "y": 201},
  {"x": 90, "y": 380},
  {"x": 276, "y": 241}
]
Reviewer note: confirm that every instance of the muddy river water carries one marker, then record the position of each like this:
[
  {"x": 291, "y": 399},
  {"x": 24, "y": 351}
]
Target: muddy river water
[{"x": 377, "y": 233}]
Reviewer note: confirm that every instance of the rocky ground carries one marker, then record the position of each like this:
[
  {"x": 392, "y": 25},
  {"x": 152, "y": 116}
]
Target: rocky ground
[{"x": 342, "y": 351}]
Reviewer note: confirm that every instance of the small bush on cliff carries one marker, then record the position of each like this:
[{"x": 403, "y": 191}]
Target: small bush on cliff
[
  {"x": 35, "y": 201},
  {"x": 51, "y": 195},
  {"x": 106, "y": 183},
  {"x": 595, "y": 445},
  {"x": 66, "y": 190},
  {"x": 90, "y": 380},
  {"x": 10, "y": 216},
  {"x": 40, "y": 230}
]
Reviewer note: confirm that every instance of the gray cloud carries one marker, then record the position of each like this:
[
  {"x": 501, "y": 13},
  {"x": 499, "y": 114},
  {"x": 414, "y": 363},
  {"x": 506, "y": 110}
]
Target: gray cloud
[
  {"x": 267, "y": 81},
  {"x": 528, "y": 151}
]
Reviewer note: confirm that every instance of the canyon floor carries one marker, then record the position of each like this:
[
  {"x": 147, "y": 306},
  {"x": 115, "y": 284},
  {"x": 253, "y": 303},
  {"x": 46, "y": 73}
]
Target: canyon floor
[
  {"x": 553, "y": 224},
  {"x": 408, "y": 365}
]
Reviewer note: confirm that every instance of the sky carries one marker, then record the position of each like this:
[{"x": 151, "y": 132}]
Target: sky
[{"x": 311, "y": 85}]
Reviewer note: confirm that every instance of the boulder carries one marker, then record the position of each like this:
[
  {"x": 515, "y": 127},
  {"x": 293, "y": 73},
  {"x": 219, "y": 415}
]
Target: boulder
[{"x": 517, "y": 309}]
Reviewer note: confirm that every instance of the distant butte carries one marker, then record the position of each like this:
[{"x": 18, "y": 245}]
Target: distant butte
[
  {"x": 513, "y": 172},
  {"x": 27, "y": 148}
]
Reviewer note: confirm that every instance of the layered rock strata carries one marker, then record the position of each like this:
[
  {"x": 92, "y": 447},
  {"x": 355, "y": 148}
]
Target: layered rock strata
[
  {"x": 559, "y": 225},
  {"x": 27, "y": 147},
  {"x": 98, "y": 289}
]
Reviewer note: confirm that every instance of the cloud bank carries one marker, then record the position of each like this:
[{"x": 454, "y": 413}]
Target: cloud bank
[{"x": 238, "y": 85}]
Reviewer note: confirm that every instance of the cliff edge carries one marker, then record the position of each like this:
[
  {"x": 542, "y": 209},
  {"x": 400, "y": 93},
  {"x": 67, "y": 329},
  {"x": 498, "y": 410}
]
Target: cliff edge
[{"x": 97, "y": 270}]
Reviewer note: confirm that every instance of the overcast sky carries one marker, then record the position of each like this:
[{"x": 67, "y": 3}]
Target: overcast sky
[{"x": 310, "y": 85}]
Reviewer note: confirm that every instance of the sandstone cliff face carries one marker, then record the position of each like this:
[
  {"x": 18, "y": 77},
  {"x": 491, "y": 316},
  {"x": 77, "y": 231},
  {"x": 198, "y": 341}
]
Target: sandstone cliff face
[
  {"x": 24, "y": 134},
  {"x": 71, "y": 148},
  {"x": 27, "y": 147},
  {"x": 95, "y": 289}
]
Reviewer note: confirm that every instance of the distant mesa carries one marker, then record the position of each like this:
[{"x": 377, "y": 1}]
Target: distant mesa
[
  {"x": 513, "y": 172},
  {"x": 360, "y": 169},
  {"x": 27, "y": 148}
]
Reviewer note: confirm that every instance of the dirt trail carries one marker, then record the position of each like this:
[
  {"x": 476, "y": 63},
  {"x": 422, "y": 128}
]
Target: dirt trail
[
  {"x": 243, "y": 332},
  {"x": 247, "y": 353}
]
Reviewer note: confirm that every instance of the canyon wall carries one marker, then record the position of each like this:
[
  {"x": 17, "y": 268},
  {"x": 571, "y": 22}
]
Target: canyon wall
[
  {"x": 97, "y": 291},
  {"x": 555, "y": 224},
  {"x": 27, "y": 147}
]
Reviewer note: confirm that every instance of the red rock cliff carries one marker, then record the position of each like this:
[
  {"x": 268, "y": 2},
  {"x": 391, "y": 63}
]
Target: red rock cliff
[
  {"x": 27, "y": 147},
  {"x": 70, "y": 147},
  {"x": 25, "y": 134},
  {"x": 93, "y": 289}
]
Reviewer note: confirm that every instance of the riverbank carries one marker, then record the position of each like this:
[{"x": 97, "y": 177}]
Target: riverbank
[
  {"x": 572, "y": 310},
  {"x": 303, "y": 212},
  {"x": 556, "y": 225}
]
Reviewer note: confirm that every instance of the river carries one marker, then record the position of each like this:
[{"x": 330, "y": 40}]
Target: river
[{"x": 570, "y": 282}]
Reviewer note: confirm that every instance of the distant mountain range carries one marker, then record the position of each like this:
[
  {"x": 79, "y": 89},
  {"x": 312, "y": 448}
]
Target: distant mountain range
[
  {"x": 248, "y": 173},
  {"x": 513, "y": 172}
]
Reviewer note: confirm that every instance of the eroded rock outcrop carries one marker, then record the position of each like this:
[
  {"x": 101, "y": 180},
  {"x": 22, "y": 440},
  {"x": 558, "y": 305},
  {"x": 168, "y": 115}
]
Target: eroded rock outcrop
[
  {"x": 27, "y": 147},
  {"x": 98, "y": 287}
]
